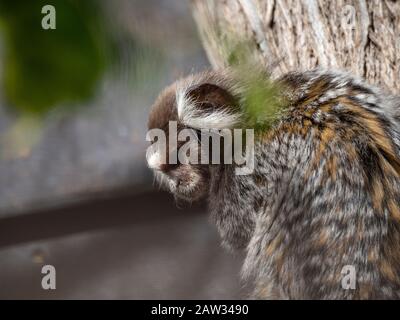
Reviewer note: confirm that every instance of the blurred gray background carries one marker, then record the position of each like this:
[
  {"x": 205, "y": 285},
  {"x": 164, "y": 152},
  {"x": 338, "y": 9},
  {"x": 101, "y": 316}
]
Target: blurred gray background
[{"x": 74, "y": 188}]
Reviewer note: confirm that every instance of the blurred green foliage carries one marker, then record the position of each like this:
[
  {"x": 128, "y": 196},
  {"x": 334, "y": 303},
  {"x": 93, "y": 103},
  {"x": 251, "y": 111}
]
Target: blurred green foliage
[
  {"x": 45, "y": 68},
  {"x": 262, "y": 102}
]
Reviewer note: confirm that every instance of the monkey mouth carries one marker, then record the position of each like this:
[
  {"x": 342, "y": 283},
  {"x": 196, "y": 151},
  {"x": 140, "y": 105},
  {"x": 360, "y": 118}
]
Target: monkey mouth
[
  {"x": 188, "y": 192},
  {"x": 190, "y": 188}
]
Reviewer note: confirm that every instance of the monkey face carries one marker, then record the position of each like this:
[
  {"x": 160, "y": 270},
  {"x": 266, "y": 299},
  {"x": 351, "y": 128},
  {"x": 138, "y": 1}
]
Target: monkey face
[
  {"x": 183, "y": 110},
  {"x": 187, "y": 180}
]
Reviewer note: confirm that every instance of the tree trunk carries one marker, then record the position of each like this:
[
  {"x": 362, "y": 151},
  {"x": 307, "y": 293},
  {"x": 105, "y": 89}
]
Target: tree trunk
[{"x": 361, "y": 36}]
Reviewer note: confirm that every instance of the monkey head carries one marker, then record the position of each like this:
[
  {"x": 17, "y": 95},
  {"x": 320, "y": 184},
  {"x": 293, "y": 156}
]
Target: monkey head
[{"x": 185, "y": 108}]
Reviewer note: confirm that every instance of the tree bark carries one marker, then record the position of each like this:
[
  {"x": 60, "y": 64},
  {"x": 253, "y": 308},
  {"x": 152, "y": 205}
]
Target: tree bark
[{"x": 360, "y": 36}]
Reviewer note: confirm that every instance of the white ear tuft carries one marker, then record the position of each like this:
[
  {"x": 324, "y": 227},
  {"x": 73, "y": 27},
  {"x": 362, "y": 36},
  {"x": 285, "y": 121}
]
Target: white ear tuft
[{"x": 193, "y": 117}]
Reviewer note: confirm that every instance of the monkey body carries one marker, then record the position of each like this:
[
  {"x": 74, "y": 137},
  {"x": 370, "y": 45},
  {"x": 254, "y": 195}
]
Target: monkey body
[{"x": 324, "y": 195}]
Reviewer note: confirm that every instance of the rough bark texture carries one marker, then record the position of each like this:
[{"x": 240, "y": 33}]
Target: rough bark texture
[{"x": 361, "y": 36}]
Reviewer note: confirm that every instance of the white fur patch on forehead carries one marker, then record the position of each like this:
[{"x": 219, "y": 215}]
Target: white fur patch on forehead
[
  {"x": 192, "y": 117},
  {"x": 181, "y": 95}
]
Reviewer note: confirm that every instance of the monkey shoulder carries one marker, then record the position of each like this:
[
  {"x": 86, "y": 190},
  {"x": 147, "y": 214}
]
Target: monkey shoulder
[{"x": 335, "y": 147}]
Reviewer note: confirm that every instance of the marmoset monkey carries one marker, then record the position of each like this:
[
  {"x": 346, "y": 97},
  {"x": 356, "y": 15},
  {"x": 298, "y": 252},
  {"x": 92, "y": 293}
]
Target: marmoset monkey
[{"x": 324, "y": 195}]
